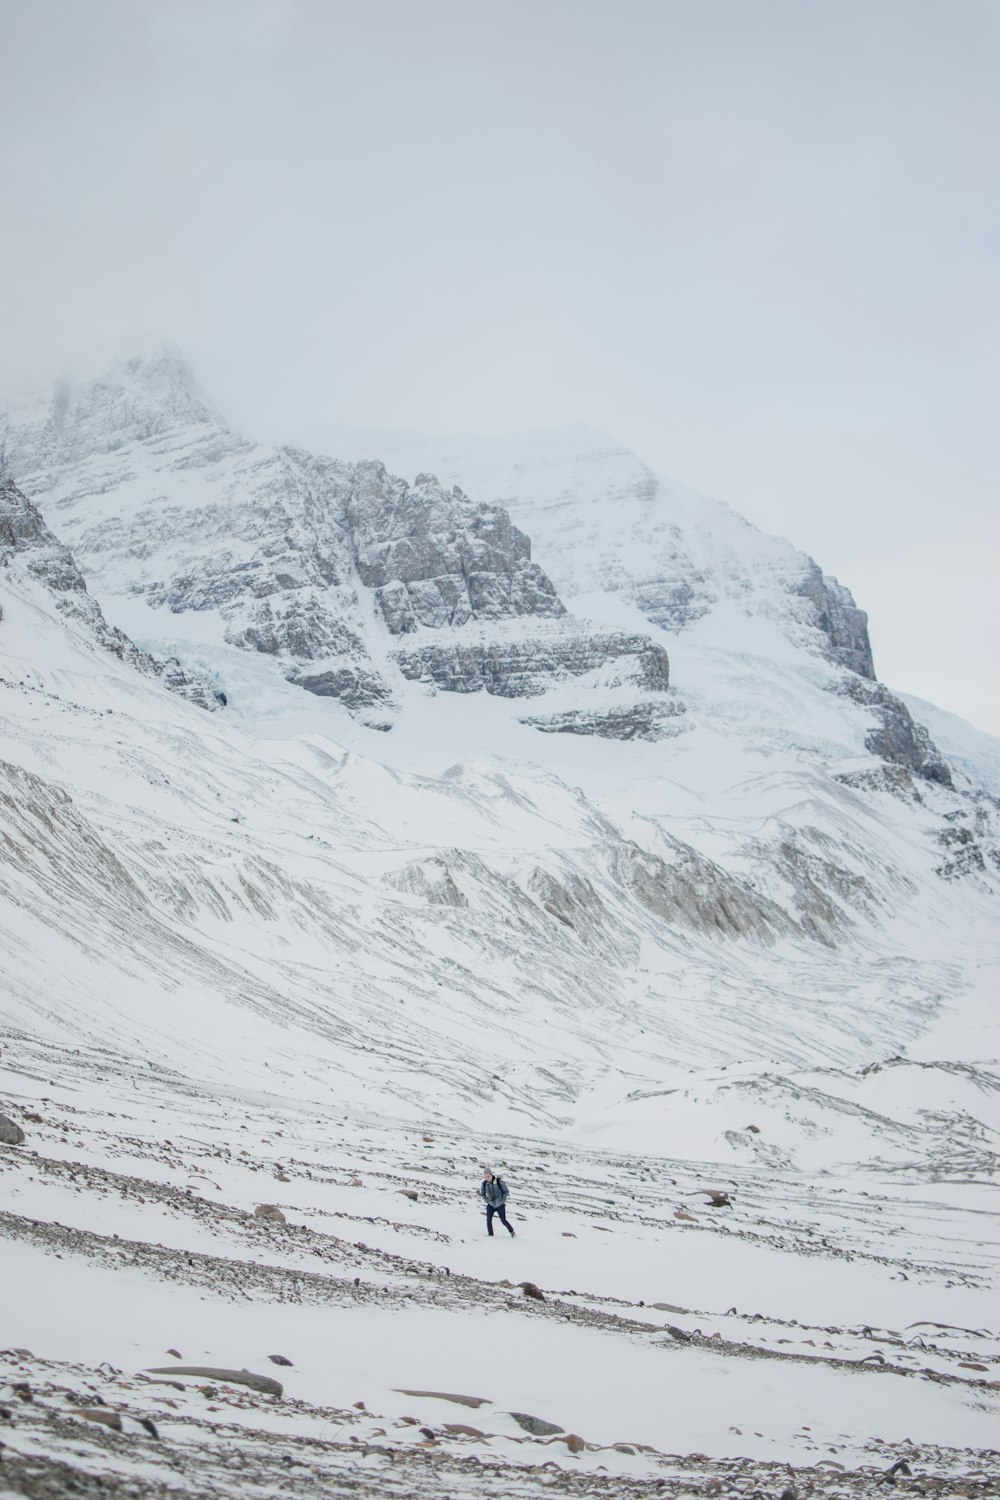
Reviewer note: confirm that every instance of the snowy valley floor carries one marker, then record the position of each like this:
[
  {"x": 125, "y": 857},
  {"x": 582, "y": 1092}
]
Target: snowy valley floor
[{"x": 812, "y": 1335}]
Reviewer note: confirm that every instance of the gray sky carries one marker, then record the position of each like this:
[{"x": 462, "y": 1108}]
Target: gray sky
[{"x": 759, "y": 240}]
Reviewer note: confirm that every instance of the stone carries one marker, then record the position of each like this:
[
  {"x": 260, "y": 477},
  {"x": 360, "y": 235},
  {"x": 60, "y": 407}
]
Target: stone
[
  {"x": 10, "y": 1134},
  {"x": 446, "y": 1396},
  {"x": 462, "y": 1429},
  {"x": 262, "y": 1383},
  {"x": 677, "y": 1333},
  {"x": 409, "y": 1193},
  {"x": 95, "y": 1414},
  {"x": 279, "y": 1359},
  {"x": 270, "y": 1213},
  {"x": 537, "y": 1426},
  {"x": 531, "y": 1290}
]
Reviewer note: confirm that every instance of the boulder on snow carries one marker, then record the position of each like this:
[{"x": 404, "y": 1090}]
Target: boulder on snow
[
  {"x": 270, "y": 1212},
  {"x": 279, "y": 1359},
  {"x": 537, "y": 1426},
  {"x": 99, "y": 1414},
  {"x": 10, "y": 1134},
  {"x": 447, "y": 1396},
  {"x": 262, "y": 1383}
]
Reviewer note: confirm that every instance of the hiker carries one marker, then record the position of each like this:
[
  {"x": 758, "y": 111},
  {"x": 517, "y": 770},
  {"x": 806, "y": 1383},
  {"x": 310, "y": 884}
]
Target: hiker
[{"x": 493, "y": 1191}]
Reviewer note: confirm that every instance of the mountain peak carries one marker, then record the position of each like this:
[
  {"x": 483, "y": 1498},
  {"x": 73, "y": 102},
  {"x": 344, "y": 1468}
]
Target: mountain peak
[{"x": 139, "y": 398}]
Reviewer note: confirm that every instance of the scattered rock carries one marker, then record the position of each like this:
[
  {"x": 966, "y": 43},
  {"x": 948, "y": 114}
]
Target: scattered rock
[
  {"x": 568, "y": 1234},
  {"x": 447, "y": 1396},
  {"x": 176, "y": 1353},
  {"x": 270, "y": 1212},
  {"x": 279, "y": 1359},
  {"x": 677, "y": 1333},
  {"x": 262, "y": 1383},
  {"x": 899, "y": 1467},
  {"x": 10, "y": 1134},
  {"x": 535, "y": 1425},
  {"x": 95, "y": 1414},
  {"x": 22, "y": 1390},
  {"x": 409, "y": 1193},
  {"x": 462, "y": 1429}
]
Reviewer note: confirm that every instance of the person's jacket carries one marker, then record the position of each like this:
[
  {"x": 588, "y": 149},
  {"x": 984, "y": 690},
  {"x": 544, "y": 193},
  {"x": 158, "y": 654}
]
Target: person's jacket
[{"x": 494, "y": 1194}]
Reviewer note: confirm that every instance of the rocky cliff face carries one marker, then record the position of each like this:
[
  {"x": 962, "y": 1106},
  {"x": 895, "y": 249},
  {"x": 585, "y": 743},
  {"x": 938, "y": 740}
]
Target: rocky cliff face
[
  {"x": 361, "y": 587},
  {"x": 844, "y": 626},
  {"x": 27, "y": 543},
  {"x": 602, "y": 521},
  {"x": 896, "y": 737},
  {"x": 319, "y": 564}
]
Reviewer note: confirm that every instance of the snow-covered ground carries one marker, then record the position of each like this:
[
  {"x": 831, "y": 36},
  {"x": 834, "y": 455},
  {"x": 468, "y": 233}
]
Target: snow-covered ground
[{"x": 276, "y": 956}]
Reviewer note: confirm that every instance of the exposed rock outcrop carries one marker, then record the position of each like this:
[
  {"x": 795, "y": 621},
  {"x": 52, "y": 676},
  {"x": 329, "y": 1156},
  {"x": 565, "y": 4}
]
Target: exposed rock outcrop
[
  {"x": 897, "y": 738},
  {"x": 524, "y": 668},
  {"x": 647, "y": 720},
  {"x": 844, "y": 625},
  {"x": 435, "y": 559},
  {"x": 27, "y": 542},
  {"x": 430, "y": 879},
  {"x": 692, "y": 891},
  {"x": 10, "y": 1134}
]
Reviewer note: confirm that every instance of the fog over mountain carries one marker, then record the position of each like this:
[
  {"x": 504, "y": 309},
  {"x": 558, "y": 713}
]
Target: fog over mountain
[
  {"x": 497, "y": 712},
  {"x": 757, "y": 244}
]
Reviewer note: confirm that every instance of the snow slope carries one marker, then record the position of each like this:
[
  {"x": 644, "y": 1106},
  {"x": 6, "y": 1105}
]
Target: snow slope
[{"x": 278, "y": 954}]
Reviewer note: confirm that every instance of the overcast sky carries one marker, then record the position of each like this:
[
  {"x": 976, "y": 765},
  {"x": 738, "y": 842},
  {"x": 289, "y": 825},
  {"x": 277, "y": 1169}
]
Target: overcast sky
[{"x": 758, "y": 240}]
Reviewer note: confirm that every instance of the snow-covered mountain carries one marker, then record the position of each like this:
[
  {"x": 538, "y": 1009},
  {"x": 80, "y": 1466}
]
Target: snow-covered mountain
[{"x": 528, "y": 807}]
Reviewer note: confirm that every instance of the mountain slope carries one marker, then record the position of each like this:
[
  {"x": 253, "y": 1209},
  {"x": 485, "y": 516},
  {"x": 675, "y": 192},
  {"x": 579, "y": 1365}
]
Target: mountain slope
[{"x": 707, "y": 970}]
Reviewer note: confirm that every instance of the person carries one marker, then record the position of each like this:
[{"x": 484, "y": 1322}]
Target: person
[{"x": 493, "y": 1191}]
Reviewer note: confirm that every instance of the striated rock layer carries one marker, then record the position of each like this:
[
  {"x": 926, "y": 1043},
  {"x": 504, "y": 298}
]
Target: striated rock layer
[{"x": 316, "y": 563}]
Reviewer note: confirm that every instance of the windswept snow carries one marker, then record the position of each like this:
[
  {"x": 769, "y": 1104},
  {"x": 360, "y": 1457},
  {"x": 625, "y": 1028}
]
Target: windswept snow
[{"x": 282, "y": 954}]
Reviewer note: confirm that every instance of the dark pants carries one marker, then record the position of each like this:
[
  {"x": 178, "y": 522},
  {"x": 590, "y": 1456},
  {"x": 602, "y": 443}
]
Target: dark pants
[{"x": 501, "y": 1214}]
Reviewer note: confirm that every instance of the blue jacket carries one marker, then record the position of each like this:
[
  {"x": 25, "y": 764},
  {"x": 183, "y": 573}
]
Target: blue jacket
[{"x": 494, "y": 1194}]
